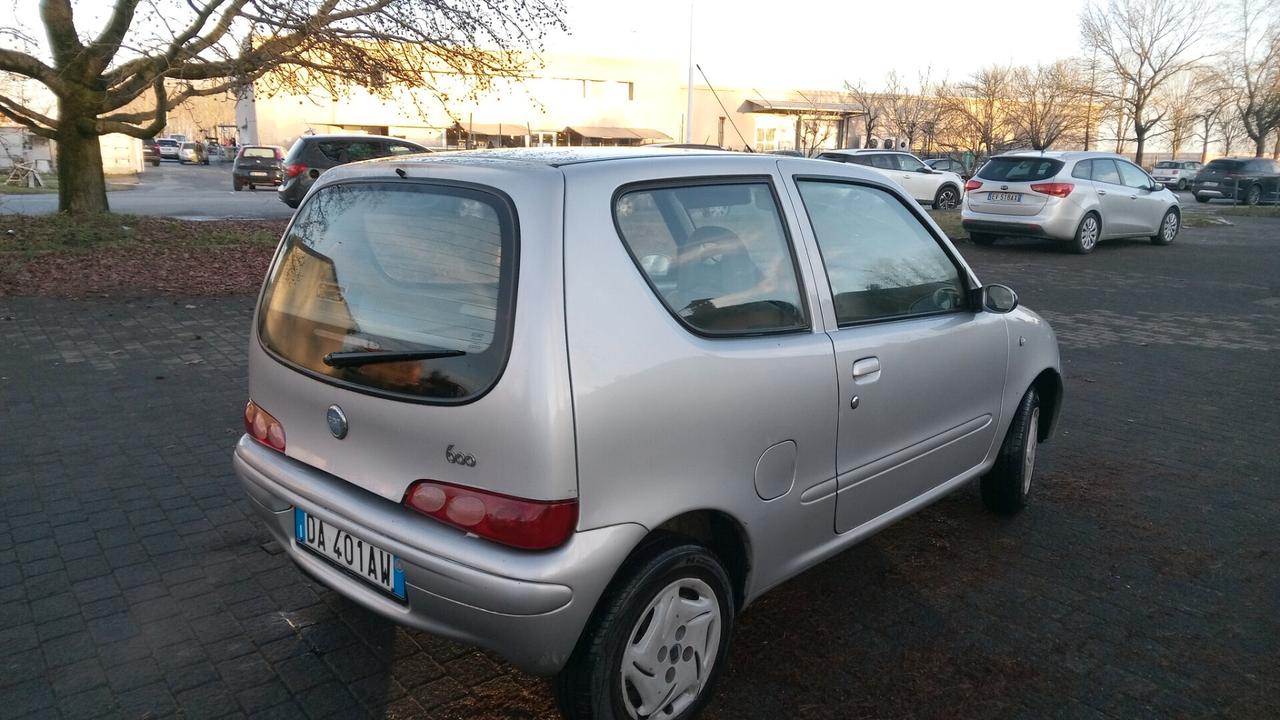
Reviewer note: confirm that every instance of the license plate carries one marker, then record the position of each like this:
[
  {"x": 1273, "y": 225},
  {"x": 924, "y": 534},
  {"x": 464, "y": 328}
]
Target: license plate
[
  {"x": 1209, "y": 184},
  {"x": 355, "y": 555},
  {"x": 999, "y": 197},
  {"x": 258, "y": 174}
]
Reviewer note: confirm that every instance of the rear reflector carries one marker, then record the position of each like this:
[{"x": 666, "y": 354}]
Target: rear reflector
[
  {"x": 524, "y": 524},
  {"x": 1055, "y": 189},
  {"x": 260, "y": 426},
  {"x": 972, "y": 184}
]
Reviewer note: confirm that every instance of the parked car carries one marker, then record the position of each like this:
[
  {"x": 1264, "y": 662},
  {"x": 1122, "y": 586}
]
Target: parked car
[
  {"x": 194, "y": 153},
  {"x": 1073, "y": 197},
  {"x": 257, "y": 165},
  {"x": 1175, "y": 174},
  {"x": 151, "y": 153},
  {"x": 583, "y": 406},
  {"x": 1245, "y": 180},
  {"x": 168, "y": 148},
  {"x": 949, "y": 165},
  {"x": 940, "y": 189},
  {"x": 313, "y": 154}
]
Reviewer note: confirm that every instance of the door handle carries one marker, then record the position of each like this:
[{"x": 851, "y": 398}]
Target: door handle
[
  {"x": 1102, "y": 192},
  {"x": 866, "y": 370},
  {"x": 1133, "y": 197}
]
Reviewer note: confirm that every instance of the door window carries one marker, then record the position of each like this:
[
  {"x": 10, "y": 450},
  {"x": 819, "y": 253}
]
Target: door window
[
  {"x": 1133, "y": 176},
  {"x": 1104, "y": 170},
  {"x": 401, "y": 149},
  {"x": 880, "y": 260},
  {"x": 883, "y": 162},
  {"x": 716, "y": 254},
  {"x": 908, "y": 163}
]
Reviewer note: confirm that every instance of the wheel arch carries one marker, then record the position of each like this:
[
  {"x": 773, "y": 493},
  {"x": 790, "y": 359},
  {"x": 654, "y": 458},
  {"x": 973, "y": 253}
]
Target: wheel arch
[
  {"x": 721, "y": 533},
  {"x": 1048, "y": 385}
]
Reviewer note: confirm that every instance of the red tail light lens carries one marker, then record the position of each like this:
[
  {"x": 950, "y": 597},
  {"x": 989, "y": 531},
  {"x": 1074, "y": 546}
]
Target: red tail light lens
[
  {"x": 260, "y": 426},
  {"x": 295, "y": 169},
  {"x": 524, "y": 524},
  {"x": 1055, "y": 189},
  {"x": 971, "y": 185}
]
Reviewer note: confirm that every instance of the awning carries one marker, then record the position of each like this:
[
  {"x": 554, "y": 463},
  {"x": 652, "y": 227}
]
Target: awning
[
  {"x": 618, "y": 133},
  {"x": 799, "y": 107},
  {"x": 506, "y": 129}
]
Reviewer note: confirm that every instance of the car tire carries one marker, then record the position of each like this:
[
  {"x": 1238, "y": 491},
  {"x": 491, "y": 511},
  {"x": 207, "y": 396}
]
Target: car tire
[
  {"x": 1254, "y": 196},
  {"x": 982, "y": 238},
  {"x": 948, "y": 197},
  {"x": 1182, "y": 185},
  {"x": 1168, "y": 230},
  {"x": 1006, "y": 486},
  {"x": 155, "y": 163},
  {"x": 1087, "y": 234},
  {"x": 630, "y": 616},
  {"x": 1202, "y": 199}
]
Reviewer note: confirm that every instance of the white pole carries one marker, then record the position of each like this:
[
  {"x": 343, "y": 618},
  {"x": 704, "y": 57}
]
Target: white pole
[{"x": 688, "y": 115}]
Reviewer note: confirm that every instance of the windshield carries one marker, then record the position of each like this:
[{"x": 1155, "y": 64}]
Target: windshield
[
  {"x": 401, "y": 270},
  {"x": 1225, "y": 166},
  {"x": 1016, "y": 169}
]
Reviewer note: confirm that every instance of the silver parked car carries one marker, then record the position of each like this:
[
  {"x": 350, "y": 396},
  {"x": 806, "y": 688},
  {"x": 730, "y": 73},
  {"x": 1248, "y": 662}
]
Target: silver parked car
[
  {"x": 1075, "y": 197},
  {"x": 582, "y": 407}
]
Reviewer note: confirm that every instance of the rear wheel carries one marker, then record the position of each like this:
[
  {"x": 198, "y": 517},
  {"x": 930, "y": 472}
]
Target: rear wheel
[
  {"x": 1087, "y": 234},
  {"x": 982, "y": 238},
  {"x": 947, "y": 198},
  {"x": 1182, "y": 185},
  {"x": 1254, "y": 196},
  {"x": 235, "y": 185},
  {"x": 1006, "y": 486},
  {"x": 1168, "y": 229},
  {"x": 657, "y": 640}
]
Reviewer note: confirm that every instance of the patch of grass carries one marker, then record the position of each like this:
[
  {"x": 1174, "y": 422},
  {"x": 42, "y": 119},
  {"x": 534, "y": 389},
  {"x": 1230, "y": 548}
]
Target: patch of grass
[
  {"x": 28, "y": 236},
  {"x": 1248, "y": 210},
  {"x": 51, "y": 185},
  {"x": 949, "y": 221}
]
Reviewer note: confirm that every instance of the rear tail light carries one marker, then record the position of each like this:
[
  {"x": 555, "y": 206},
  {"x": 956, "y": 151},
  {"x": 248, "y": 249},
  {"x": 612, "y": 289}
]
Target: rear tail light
[
  {"x": 971, "y": 185},
  {"x": 260, "y": 426},
  {"x": 1055, "y": 189},
  {"x": 295, "y": 169},
  {"x": 524, "y": 524}
]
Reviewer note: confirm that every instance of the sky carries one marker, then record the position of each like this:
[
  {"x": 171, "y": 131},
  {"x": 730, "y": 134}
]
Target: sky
[{"x": 818, "y": 44}]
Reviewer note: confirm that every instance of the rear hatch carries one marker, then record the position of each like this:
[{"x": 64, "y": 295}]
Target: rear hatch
[
  {"x": 1005, "y": 185},
  {"x": 261, "y": 160},
  {"x": 394, "y": 301},
  {"x": 1166, "y": 169},
  {"x": 1218, "y": 172}
]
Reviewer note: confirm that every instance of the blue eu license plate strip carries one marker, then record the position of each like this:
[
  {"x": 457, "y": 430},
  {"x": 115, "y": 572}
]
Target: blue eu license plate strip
[{"x": 349, "y": 552}]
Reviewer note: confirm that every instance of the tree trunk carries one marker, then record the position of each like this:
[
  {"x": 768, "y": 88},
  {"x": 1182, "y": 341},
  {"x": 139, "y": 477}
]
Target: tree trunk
[
  {"x": 81, "y": 185},
  {"x": 1275, "y": 155},
  {"x": 1141, "y": 137},
  {"x": 1260, "y": 145}
]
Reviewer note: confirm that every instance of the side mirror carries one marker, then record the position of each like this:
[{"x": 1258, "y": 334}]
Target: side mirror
[{"x": 999, "y": 299}]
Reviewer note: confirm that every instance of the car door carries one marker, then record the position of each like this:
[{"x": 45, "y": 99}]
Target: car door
[
  {"x": 919, "y": 184},
  {"x": 1147, "y": 206},
  {"x": 920, "y": 372},
  {"x": 1114, "y": 198}
]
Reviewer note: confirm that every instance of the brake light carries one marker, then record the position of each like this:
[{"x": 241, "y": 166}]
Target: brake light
[
  {"x": 1055, "y": 189},
  {"x": 295, "y": 169},
  {"x": 524, "y": 524},
  {"x": 971, "y": 185},
  {"x": 264, "y": 428}
]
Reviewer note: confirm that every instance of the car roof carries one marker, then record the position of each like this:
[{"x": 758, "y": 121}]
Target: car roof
[
  {"x": 1058, "y": 154},
  {"x": 355, "y": 136},
  {"x": 863, "y": 151}
]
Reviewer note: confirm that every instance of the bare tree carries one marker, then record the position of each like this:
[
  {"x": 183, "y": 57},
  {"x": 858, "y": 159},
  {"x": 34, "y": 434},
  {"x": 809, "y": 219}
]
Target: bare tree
[
  {"x": 1141, "y": 44},
  {"x": 870, "y": 104},
  {"x": 975, "y": 113},
  {"x": 1230, "y": 129},
  {"x": 1049, "y": 104},
  {"x": 1181, "y": 101},
  {"x": 177, "y": 49},
  {"x": 910, "y": 110},
  {"x": 1254, "y": 61}
]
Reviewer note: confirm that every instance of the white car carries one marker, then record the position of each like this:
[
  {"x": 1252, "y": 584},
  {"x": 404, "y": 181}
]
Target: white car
[{"x": 938, "y": 188}]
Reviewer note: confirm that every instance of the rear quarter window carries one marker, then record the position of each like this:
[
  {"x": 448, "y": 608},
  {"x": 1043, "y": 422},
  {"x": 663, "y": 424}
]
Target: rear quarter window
[
  {"x": 1020, "y": 169},
  {"x": 379, "y": 267}
]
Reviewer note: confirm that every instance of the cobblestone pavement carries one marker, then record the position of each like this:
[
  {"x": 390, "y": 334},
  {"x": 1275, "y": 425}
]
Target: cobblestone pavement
[{"x": 1141, "y": 583}]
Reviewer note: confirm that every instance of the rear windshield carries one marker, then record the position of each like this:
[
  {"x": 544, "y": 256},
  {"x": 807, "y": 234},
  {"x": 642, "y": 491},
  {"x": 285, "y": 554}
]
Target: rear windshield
[
  {"x": 1168, "y": 164},
  {"x": 1016, "y": 169},
  {"x": 382, "y": 267},
  {"x": 188, "y": 146},
  {"x": 1225, "y": 166},
  {"x": 166, "y": 142},
  {"x": 259, "y": 152}
]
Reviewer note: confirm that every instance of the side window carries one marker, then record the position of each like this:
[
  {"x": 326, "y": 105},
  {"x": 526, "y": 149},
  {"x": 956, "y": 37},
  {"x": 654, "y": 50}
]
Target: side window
[
  {"x": 858, "y": 159},
  {"x": 1133, "y": 176},
  {"x": 1082, "y": 169},
  {"x": 716, "y": 254},
  {"x": 884, "y": 162},
  {"x": 1104, "y": 170},
  {"x": 908, "y": 163},
  {"x": 400, "y": 149},
  {"x": 880, "y": 260}
]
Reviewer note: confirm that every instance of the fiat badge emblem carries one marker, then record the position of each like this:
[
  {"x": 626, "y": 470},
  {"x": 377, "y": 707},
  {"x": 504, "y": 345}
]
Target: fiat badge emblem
[{"x": 337, "y": 421}]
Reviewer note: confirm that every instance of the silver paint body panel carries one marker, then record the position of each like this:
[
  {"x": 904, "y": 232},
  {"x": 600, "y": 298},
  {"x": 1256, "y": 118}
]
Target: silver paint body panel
[{"x": 606, "y": 397}]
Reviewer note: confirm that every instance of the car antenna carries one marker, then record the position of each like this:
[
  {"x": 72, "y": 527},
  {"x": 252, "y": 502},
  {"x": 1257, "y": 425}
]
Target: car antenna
[
  {"x": 727, "y": 114},
  {"x": 401, "y": 172}
]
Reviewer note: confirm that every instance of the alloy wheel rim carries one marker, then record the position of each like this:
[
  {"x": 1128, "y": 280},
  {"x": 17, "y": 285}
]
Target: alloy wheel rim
[
  {"x": 671, "y": 650},
  {"x": 1029, "y": 452},
  {"x": 1089, "y": 233},
  {"x": 947, "y": 200},
  {"x": 1170, "y": 227}
]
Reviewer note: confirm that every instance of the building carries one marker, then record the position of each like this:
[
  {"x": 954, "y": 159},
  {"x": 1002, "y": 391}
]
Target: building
[{"x": 18, "y": 144}]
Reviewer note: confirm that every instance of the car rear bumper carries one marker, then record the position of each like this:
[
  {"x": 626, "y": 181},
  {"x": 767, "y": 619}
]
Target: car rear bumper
[
  {"x": 529, "y": 607},
  {"x": 1056, "y": 225},
  {"x": 247, "y": 176}
]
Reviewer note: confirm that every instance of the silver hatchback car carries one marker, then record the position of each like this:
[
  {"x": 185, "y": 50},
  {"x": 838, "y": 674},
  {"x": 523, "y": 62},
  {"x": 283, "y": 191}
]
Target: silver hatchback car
[
  {"x": 583, "y": 407},
  {"x": 1076, "y": 197}
]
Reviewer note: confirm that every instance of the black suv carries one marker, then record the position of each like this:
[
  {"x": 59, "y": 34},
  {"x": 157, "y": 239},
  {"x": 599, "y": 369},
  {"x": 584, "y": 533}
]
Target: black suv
[
  {"x": 1246, "y": 180},
  {"x": 313, "y": 154}
]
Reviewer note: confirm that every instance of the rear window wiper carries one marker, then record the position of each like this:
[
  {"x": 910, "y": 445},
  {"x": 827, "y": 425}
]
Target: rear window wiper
[{"x": 366, "y": 357}]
